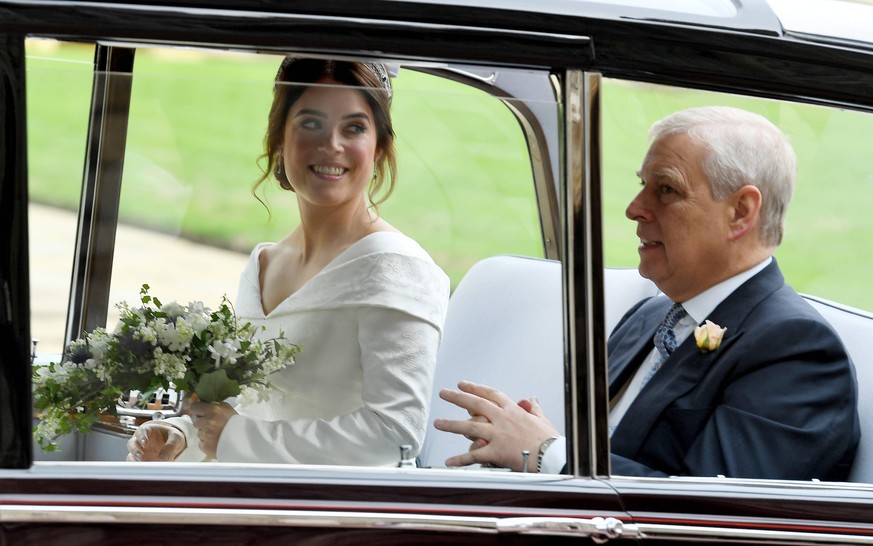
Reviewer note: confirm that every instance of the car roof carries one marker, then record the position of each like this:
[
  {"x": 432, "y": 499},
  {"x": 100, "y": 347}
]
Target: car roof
[
  {"x": 848, "y": 21},
  {"x": 822, "y": 20}
]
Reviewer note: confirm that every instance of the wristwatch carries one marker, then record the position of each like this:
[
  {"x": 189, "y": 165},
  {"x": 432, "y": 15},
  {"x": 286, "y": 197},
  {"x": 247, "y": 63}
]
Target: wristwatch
[{"x": 543, "y": 447}]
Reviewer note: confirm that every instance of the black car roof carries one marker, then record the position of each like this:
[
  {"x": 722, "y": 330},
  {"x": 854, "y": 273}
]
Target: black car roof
[{"x": 727, "y": 45}]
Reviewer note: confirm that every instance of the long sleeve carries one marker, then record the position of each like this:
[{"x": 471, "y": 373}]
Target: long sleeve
[{"x": 399, "y": 358}]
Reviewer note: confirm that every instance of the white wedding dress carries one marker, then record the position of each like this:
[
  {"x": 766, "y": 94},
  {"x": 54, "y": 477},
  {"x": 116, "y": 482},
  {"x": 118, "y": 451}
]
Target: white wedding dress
[{"x": 369, "y": 325}]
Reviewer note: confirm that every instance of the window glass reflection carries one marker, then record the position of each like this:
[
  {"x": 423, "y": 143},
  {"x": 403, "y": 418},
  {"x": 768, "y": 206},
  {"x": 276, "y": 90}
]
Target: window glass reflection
[{"x": 187, "y": 219}]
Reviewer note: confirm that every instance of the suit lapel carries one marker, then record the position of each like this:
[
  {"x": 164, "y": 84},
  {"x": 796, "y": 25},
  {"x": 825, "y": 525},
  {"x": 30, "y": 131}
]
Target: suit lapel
[
  {"x": 687, "y": 365},
  {"x": 632, "y": 342}
]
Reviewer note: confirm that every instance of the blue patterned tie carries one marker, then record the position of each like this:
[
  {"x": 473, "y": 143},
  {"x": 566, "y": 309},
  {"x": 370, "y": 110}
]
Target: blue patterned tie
[{"x": 665, "y": 338}]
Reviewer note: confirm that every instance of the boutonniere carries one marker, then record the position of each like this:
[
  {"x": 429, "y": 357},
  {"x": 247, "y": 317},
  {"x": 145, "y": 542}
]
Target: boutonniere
[{"x": 708, "y": 336}]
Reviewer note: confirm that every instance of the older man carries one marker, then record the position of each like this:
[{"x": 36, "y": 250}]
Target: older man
[{"x": 764, "y": 390}]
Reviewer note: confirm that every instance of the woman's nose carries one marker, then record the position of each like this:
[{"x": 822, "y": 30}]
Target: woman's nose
[{"x": 331, "y": 142}]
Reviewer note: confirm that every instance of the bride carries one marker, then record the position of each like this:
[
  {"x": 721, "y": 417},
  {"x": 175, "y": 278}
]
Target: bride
[{"x": 365, "y": 302}]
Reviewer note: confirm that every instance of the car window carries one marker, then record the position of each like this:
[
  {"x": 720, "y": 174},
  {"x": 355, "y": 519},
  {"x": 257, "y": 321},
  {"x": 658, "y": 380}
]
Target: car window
[
  {"x": 822, "y": 254},
  {"x": 187, "y": 217},
  {"x": 827, "y": 217},
  {"x": 57, "y": 131}
]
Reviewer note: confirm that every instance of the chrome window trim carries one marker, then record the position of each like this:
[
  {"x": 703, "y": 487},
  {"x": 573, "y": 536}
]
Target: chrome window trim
[
  {"x": 544, "y": 186},
  {"x": 596, "y": 333},
  {"x": 599, "y": 529},
  {"x": 170, "y": 515},
  {"x": 578, "y": 436},
  {"x": 101, "y": 190},
  {"x": 700, "y": 533},
  {"x": 583, "y": 276},
  {"x": 541, "y": 148}
]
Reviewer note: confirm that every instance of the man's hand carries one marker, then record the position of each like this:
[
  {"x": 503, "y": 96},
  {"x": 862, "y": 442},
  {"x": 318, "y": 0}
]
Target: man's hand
[
  {"x": 499, "y": 428},
  {"x": 155, "y": 442}
]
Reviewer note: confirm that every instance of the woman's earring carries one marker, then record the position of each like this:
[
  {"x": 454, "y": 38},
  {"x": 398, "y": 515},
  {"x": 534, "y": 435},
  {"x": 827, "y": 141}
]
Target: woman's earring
[
  {"x": 374, "y": 173},
  {"x": 280, "y": 169}
]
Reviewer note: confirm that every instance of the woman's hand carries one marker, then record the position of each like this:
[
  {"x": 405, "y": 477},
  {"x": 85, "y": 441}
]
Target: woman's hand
[
  {"x": 155, "y": 442},
  {"x": 499, "y": 428},
  {"x": 209, "y": 420}
]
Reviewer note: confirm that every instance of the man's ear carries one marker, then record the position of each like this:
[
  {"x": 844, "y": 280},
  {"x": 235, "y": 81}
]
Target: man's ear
[{"x": 745, "y": 212}]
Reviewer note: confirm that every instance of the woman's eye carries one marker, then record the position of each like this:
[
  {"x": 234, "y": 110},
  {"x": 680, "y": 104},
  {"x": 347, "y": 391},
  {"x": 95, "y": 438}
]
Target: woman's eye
[
  {"x": 357, "y": 129},
  {"x": 665, "y": 189},
  {"x": 310, "y": 124}
]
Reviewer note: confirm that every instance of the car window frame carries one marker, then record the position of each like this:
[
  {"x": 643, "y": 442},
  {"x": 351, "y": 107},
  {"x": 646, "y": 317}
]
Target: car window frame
[
  {"x": 567, "y": 52},
  {"x": 98, "y": 209}
]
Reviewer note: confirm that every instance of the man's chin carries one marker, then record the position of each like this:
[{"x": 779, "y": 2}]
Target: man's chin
[{"x": 646, "y": 270}]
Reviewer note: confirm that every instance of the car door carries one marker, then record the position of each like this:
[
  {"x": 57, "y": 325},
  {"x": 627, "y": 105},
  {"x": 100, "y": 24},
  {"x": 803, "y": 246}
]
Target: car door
[
  {"x": 767, "y": 70},
  {"x": 118, "y": 91}
]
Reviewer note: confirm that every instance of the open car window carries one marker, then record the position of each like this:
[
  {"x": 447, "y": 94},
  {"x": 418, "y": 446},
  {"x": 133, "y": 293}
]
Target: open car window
[
  {"x": 822, "y": 253},
  {"x": 821, "y": 250},
  {"x": 186, "y": 217}
]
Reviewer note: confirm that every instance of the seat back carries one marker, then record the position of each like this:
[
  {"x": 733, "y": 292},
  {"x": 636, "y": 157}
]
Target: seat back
[
  {"x": 855, "y": 328},
  {"x": 623, "y": 287},
  {"x": 504, "y": 328}
]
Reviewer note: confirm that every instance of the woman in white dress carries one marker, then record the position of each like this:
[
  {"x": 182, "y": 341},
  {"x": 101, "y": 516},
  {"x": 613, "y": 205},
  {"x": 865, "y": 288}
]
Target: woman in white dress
[{"x": 365, "y": 302}]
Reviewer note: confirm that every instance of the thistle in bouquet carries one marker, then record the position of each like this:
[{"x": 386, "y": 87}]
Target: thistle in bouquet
[{"x": 189, "y": 348}]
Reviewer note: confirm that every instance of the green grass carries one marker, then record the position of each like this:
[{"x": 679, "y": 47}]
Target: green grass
[
  {"x": 195, "y": 134},
  {"x": 464, "y": 190}
]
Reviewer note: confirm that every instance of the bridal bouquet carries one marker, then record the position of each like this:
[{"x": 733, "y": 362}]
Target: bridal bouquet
[{"x": 155, "y": 346}]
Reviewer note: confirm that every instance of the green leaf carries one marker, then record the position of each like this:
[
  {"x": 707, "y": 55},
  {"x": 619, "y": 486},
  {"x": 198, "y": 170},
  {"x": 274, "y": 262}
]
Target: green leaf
[
  {"x": 138, "y": 382},
  {"x": 215, "y": 386}
]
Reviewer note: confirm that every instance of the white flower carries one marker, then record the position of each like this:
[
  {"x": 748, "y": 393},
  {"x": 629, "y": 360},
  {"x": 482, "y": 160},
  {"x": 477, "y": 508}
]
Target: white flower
[
  {"x": 198, "y": 322},
  {"x": 147, "y": 334},
  {"x": 175, "y": 337},
  {"x": 197, "y": 308},
  {"x": 173, "y": 309},
  {"x": 252, "y": 393},
  {"x": 184, "y": 335},
  {"x": 169, "y": 364},
  {"x": 102, "y": 373},
  {"x": 99, "y": 343},
  {"x": 708, "y": 336},
  {"x": 227, "y": 350}
]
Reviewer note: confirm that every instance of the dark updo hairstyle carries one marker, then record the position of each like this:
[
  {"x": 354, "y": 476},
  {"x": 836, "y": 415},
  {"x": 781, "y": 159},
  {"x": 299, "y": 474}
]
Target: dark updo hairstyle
[{"x": 372, "y": 82}]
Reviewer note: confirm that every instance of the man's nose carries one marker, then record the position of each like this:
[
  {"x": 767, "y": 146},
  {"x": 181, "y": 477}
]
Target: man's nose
[{"x": 637, "y": 210}]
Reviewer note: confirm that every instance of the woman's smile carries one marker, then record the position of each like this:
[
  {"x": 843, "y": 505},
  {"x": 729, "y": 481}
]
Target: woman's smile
[{"x": 328, "y": 170}]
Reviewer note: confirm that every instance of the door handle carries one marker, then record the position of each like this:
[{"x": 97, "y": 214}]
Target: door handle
[{"x": 598, "y": 529}]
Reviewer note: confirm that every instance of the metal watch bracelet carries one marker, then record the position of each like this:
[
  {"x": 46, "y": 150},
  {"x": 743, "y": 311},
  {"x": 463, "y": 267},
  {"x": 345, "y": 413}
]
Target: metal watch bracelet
[{"x": 543, "y": 447}]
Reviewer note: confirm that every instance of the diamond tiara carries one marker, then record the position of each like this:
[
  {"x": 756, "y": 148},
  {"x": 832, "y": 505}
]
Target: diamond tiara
[{"x": 378, "y": 69}]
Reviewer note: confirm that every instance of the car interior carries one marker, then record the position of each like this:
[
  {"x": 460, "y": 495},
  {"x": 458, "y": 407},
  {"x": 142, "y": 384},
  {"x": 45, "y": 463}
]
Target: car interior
[{"x": 512, "y": 285}]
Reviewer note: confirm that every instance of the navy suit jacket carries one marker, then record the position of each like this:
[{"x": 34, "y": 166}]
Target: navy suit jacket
[{"x": 777, "y": 399}]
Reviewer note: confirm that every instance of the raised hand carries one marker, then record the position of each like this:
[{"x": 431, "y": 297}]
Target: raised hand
[{"x": 499, "y": 428}]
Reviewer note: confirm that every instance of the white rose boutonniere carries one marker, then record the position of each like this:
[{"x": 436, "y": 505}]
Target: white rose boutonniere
[{"x": 708, "y": 336}]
